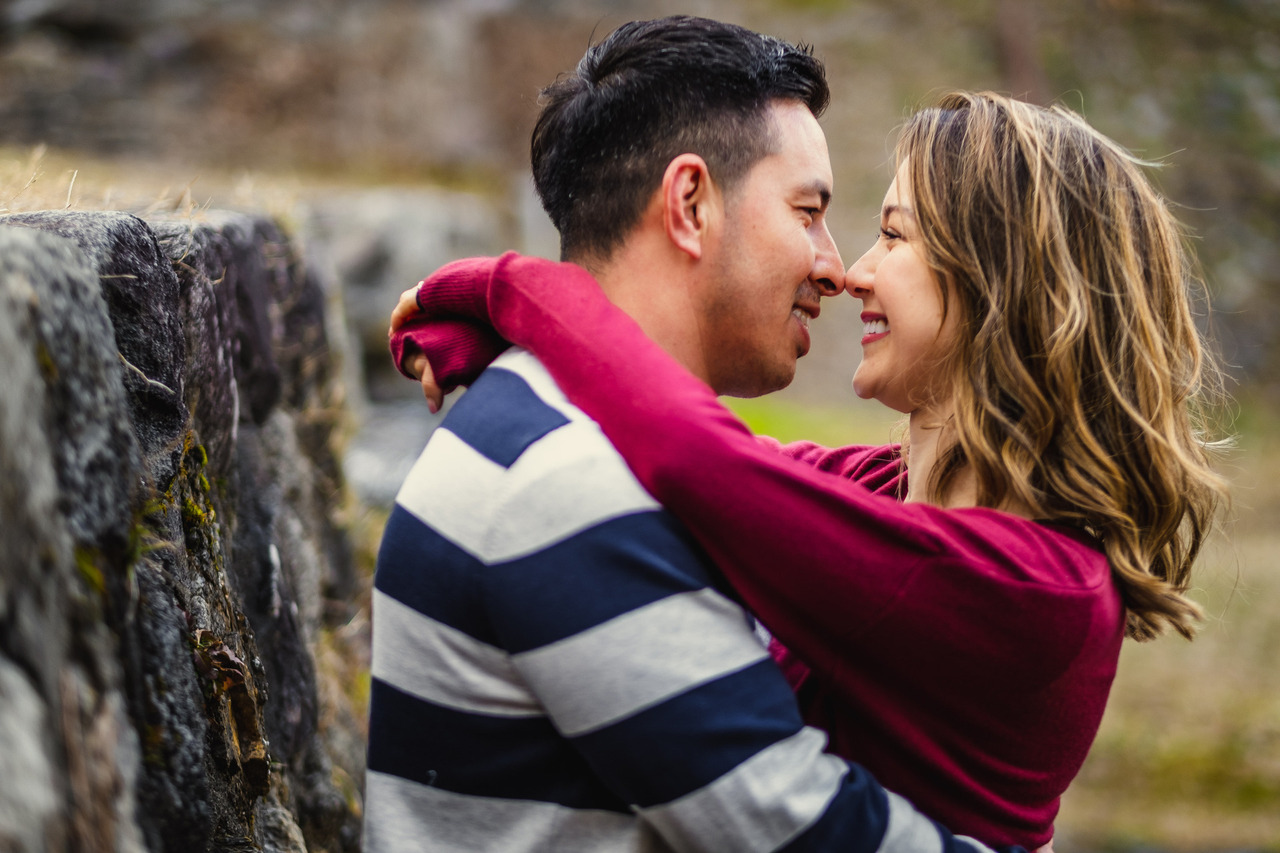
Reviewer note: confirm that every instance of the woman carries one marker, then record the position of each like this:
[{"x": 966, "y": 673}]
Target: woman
[{"x": 950, "y": 610}]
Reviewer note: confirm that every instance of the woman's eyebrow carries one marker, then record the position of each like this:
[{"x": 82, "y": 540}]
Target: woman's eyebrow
[{"x": 890, "y": 209}]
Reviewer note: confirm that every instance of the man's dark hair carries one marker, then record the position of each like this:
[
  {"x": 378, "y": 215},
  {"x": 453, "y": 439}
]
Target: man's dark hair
[{"x": 648, "y": 92}]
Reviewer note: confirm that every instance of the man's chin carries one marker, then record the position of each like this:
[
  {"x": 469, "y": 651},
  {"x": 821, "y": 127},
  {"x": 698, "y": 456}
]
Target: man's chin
[{"x": 761, "y": 385}]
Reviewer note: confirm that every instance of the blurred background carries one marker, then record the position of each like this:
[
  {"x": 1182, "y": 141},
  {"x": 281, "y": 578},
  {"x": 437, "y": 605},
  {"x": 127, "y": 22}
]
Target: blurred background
[{"x": 392, "y": 136}]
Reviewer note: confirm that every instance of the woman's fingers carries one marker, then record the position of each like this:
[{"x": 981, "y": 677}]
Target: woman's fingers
[
  {"x": 405, "y": 309},
  {"x": 422, "y": 368}
]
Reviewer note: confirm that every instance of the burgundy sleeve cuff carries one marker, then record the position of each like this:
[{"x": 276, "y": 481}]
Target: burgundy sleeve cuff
[
  {"x": 458, "y": 289},
  {"x": 457, "y": 350}
]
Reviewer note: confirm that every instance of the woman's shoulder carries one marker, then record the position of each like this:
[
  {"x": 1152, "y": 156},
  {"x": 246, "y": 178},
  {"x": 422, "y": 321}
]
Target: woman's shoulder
[
  {"x": 1035, "y": 551},
  {"x": 877, "y": 468}
]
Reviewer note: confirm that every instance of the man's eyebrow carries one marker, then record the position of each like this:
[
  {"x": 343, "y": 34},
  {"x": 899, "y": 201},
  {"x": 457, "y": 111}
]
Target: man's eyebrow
[{"x": 821, "y": 189}]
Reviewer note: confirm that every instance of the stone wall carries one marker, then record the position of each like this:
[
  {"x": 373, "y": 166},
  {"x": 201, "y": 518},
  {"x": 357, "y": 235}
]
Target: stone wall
[{"x": 172, "y": 545}]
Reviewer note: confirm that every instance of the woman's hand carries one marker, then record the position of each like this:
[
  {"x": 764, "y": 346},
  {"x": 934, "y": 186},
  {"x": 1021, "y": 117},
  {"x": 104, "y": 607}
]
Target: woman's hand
[
  {"x": 420, "y": 367},
  {"x": 405, "y": 309},
  {"x": 416, "y": 364},
  {"x": 441, "y": 331}
]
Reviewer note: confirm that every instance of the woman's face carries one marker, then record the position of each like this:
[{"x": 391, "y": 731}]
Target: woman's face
[{"x": 903, "y": 329}]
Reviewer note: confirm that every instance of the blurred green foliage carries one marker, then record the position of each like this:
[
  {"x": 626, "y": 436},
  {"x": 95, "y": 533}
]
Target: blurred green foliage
[{"x": 780, "y": 417}]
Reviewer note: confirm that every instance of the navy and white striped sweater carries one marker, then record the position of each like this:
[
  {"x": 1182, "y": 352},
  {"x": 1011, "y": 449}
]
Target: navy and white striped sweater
[{"x": 556, "y": 668}]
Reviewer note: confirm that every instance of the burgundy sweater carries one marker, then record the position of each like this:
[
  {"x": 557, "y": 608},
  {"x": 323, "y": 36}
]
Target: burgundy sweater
[{"x": 964, "y": 656}]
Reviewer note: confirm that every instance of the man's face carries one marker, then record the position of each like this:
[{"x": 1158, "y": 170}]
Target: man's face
[{"x": 772, "y": 262}]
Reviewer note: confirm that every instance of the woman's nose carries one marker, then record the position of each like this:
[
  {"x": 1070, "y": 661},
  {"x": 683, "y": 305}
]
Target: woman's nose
[{"x": 861, "y": 276}]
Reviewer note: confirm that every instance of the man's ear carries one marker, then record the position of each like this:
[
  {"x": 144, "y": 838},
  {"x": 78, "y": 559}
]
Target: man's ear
[{"x": 690, "y": 203}]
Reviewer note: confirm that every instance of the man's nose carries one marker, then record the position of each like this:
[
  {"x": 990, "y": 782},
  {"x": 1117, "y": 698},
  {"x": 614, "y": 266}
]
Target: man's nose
[{"x": 828, "y": 268}]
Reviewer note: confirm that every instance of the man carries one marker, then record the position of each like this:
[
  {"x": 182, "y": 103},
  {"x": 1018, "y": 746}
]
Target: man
[{"x": 556, "y": 664}]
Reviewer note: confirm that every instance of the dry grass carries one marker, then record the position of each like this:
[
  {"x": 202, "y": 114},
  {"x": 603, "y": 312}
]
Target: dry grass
[
  {"x": 43, "y": 178},
  {"x": 40, "y": 178}
]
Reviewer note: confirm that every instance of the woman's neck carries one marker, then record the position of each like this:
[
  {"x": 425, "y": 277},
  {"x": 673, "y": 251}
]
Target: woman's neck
[
  {"x": 930, "y": 435},
  {"x": 925, "y": 429}
]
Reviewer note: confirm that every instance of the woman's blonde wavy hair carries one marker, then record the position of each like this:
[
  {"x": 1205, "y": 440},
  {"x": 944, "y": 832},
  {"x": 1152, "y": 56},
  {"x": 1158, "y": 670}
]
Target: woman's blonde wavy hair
[{"x": 1079, "y": 378}]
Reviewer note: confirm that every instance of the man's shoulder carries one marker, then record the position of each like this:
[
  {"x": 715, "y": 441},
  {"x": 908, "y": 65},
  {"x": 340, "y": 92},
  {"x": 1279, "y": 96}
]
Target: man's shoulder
[
  {"x": 516, "y": 417},
  {"x": 512, "y": 405},
  {"x": 515, "y": 467}
]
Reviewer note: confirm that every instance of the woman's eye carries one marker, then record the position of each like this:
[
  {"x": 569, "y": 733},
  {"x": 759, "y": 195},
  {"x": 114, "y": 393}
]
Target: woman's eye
[{"x": 889, "y": 234}]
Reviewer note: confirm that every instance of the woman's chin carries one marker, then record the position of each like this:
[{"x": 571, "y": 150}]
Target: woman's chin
[{"x": 862, "y": 388}]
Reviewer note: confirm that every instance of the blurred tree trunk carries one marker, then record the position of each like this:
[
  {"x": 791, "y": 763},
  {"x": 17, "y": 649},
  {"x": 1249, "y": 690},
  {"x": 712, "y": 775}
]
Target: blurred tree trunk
[{"x": 1017, "y": 37}]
